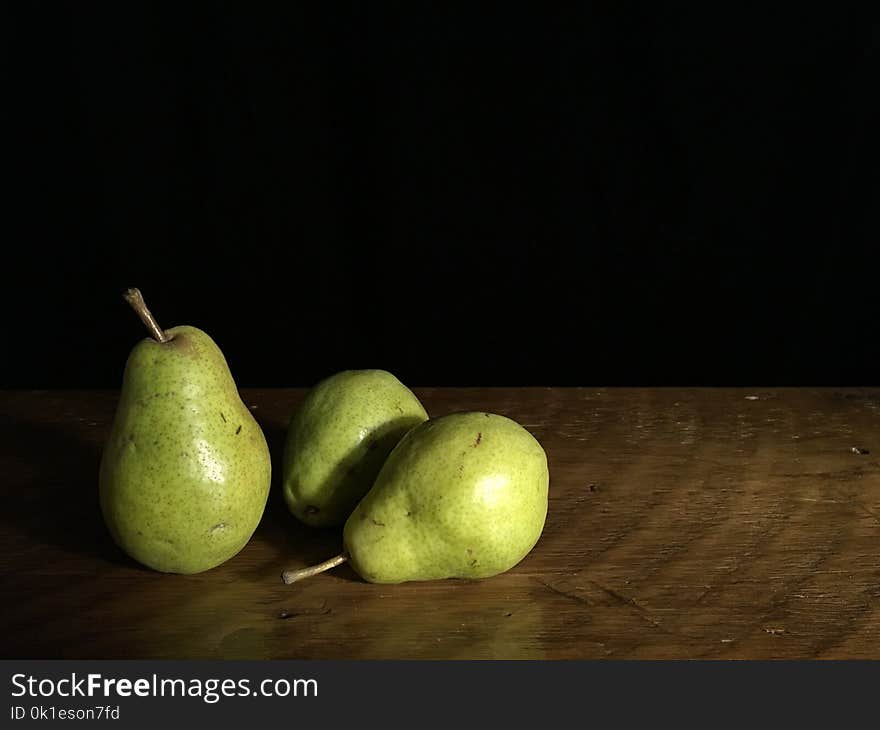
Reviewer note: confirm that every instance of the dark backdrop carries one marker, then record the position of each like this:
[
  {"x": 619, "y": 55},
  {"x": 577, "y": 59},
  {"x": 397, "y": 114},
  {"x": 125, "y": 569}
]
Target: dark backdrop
[{"x": 473, "y": 194}]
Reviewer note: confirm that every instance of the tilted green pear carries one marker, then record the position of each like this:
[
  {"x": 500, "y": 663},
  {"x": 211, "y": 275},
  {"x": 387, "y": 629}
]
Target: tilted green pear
[
  {"x": 461, "y": 496},
  {"x": 185, "y": 473},
  {"x": 338, "y": 440}
]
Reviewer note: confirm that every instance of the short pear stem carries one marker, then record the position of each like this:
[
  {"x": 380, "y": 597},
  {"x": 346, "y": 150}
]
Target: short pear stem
[
  {"x": 136, "y": 300},
  {"x": 292, "y": 576}
]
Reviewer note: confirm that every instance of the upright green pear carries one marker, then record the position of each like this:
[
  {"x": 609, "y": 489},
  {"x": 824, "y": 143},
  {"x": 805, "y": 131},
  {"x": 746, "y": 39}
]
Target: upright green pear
[
  {"x": 185, "y": 473},
  {"x": 338, "y": 440},
  {"x": 461, "y": 496}
]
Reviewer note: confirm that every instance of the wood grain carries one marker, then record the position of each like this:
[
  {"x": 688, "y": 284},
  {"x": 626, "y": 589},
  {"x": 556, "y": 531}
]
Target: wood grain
[{"x": 683, "y": 523}]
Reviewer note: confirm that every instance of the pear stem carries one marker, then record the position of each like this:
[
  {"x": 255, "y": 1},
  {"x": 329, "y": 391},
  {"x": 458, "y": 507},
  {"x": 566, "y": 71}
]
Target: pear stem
[
  {"x": 292, "y": 576},
  {"x": 136, "y": 300}
]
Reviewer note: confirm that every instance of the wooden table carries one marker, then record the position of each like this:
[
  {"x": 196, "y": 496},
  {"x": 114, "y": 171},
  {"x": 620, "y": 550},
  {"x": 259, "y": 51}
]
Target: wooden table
[{"x": 683, "y": 523}]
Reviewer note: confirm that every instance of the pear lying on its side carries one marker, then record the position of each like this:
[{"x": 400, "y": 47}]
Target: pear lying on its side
[
  {"x": 338, "y": 440},
  {"x": 461, "y": 496},
  {"x": 185, "y": 473}
]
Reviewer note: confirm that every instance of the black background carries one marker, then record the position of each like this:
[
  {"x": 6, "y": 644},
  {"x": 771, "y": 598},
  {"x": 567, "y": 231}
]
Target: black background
[{"x": 466, "y": 194}]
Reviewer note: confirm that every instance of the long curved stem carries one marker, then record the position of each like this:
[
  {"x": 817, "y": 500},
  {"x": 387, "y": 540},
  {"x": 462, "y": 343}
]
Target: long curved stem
[
  {"x": 136, "y": 300},
  {"x": 292, "y": 576}
]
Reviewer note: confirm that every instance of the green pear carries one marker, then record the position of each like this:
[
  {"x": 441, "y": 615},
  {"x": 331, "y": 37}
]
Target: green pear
[
  {"x": 185, "y": 473},
  {"x": 461, "y": 496},
  {"x": 338, "y": 440}
]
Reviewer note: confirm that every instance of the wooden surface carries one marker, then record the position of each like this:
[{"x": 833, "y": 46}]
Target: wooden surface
[{"x": 682, "y": 523}]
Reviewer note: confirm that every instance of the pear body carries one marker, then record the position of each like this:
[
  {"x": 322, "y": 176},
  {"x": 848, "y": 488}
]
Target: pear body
[
  {"x": 461, "y": 496},
  {"x": 338, "y": 440},
  {"x": 185, "y": 473}
]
